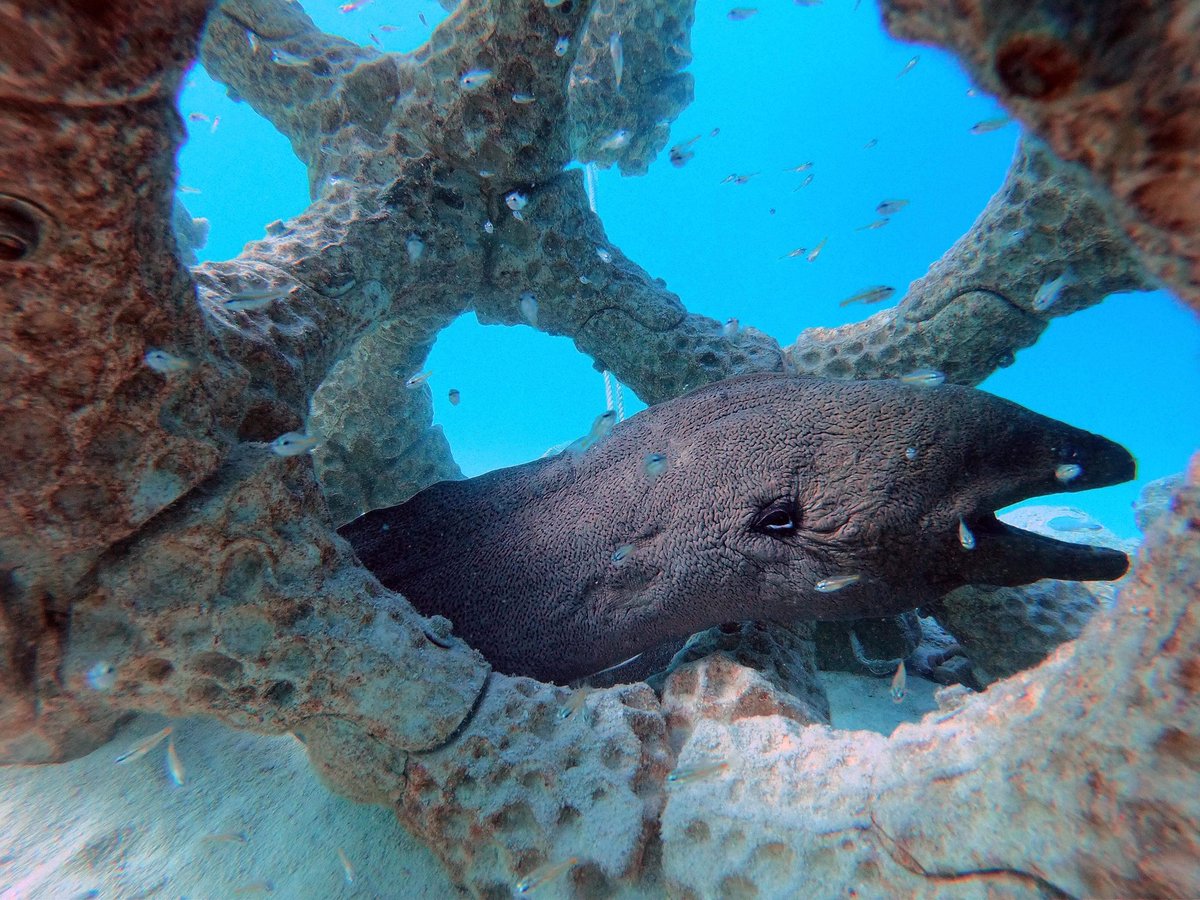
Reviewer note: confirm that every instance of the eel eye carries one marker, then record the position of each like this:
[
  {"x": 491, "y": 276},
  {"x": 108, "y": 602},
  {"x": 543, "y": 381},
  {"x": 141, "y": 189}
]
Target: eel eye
[{"x": 776, "y": 519}]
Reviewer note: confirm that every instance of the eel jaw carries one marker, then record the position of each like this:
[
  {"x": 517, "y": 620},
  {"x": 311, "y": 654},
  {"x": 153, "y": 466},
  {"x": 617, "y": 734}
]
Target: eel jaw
[{"x": 1008, "y": 556}]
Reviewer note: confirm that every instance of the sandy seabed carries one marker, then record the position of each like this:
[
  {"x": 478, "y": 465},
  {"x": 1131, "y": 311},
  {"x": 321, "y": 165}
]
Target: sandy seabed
[{"x": 91, "y": 828}]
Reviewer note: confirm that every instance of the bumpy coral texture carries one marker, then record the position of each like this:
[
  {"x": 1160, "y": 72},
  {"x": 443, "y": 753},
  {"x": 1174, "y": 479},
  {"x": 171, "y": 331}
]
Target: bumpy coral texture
[{"x": 145, "y": 526}]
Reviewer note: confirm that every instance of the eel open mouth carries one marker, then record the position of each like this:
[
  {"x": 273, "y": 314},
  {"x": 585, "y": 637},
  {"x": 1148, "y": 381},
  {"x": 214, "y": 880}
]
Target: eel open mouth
[{"x": 1009, "y": 556}]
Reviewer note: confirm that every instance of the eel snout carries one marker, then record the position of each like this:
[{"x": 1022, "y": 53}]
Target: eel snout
[{"x": 1068, "y": 460}]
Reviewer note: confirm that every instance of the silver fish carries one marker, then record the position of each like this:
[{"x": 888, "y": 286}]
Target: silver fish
[
  {"x": 990, "y": 124},
  {"x": 1047, "y": 295},
  {"x": 836, "y": 583},
  {"x": 908, "y": 66},
  {"x": 890, "y": 207},
  {"x": 870, "y": 295},
  {"x": 965, "y": 537},
  {"x": 529, "y": 308},
  {"x": 476, "y": 78},
  {"x": 294, "y": 443},
  {"x": 165, "y": 363},
  {"x": 102, "y": 676},
  {"x": 415, "y": 247},
  {"x": 617, "y": 52},
  {"x": 654, "y": 465},
  {"x": 924, "y": 377},
  {"x": 899, "y": 683},
  {"x": 561, "y": 45},
  {"x": 1067, "y": 472}
]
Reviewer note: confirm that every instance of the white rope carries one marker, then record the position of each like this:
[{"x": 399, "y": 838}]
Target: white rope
[{"x": 611, "y": 385}]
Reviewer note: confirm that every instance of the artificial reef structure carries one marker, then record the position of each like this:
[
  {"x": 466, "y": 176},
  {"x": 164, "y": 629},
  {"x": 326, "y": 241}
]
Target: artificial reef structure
[{"x": 146, "y": 528}]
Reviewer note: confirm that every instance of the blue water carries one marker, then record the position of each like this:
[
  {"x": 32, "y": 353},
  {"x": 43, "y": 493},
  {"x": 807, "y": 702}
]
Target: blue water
[{"x": 789, "y": 85}]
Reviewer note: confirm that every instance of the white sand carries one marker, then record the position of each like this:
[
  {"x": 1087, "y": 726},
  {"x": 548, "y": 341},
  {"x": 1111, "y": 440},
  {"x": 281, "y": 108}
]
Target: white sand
[{"x": 90, "y": 828}]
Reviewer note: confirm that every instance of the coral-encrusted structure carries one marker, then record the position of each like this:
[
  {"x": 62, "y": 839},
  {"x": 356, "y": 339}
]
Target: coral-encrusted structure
[{"x": 147, "y": 535}]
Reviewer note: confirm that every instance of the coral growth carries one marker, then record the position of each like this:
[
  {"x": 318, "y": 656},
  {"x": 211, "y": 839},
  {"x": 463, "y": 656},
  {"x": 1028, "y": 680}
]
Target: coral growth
[{"x": 146, "y": 528}]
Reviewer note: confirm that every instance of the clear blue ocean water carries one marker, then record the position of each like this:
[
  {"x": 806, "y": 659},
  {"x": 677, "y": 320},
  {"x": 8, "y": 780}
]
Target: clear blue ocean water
[{"x": 789, "y": 85}]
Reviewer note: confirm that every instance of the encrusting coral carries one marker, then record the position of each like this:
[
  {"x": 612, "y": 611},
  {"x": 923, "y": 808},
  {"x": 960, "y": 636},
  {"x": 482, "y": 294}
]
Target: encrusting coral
[{"x": 146, "y": 528}]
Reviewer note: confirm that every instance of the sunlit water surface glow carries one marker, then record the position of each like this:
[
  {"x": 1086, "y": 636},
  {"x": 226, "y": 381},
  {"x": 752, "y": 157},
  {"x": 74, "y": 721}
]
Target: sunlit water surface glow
[{"x": 789, "y": 85}]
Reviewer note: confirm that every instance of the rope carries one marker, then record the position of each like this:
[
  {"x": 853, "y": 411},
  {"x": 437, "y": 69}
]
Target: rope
[{"x": 611, "y": 385}]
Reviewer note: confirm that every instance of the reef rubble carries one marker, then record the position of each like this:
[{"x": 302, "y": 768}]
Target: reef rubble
[{"x": 147, "y": 530}]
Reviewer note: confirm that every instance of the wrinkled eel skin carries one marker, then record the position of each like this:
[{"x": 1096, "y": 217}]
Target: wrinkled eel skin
[{"x": 773, "y": 484}]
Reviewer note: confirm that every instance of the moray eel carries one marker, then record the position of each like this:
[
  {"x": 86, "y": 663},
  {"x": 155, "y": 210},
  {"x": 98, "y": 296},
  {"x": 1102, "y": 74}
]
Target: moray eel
[{"x": 771, "y": 485}]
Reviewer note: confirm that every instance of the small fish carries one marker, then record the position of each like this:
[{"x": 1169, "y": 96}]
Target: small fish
[
  {"x": 166, "y": 363},
  {"x": 475, "y": 78},
  {"x": 1017, "y": 234},
  {"x": 803, "y": 167},
  {"x": 890, "y": 207},
  {"x": 216, "y": 121},
  {"x": 714, "y": 132},
  {"x": 347, "y": 869},
  {"x": 583, "y": 279},
  {"x": 1047, "y": 295},
  {"x": 454, "y": 396},
  {"x": 836, "y": 583},
  {"x": 870, "y": 295},
  {"x": 972, "y": 92},
  {"x": 816, "y": 251},
  {"x": 175, "y": 764},
  {"x": 352, "y": 6},
  {"x": 1070, "y": 523},
  {"x": 374, "y": 40},
  {"x": 600, "y": 428},
  {"x": 615, "y": 141},
  {"x": 294, "y": 443},
  {"x": 575, "y": 702},
  {"x": 873, "y": 226},
  {"x": 654, "y": 465},
  {"x": 561, "y": 45},
  {"x": 518, "y": 215},
  {"x": 523, "y": 99},
  {"x": 417, "y": 380},
  {"x": 197, "y": 117},
  {"x": 415, "y": 247},
  {"x": 617, "y": 51},
  {"x": 291, "y": 60},
  {"x": 965, "y": 537},
  {"x": 252, "y": 40},
  {"x": 142, "y": 747},
  {"x": 621, "y": 554},
  {"x": 102, "y": 676},
  {"x": 908, "y": 66},
  {"x": 924, "y": 377},
  {"x": 735, "y": 178},
  {"x": 1067, "y": 472},
  {"x": 741, "y": 13},
  {"x": 693, "y": 773},
  {"x": 799, "y": 251},
  {"x": 225, "y": 837},
  {"x": 389, "y": 28},
  {"x": 529, "y": 308},
  {"x": 805, "y": 183},
  {"x": 899, "y": 683},
  {"x": 872, "y": 143},
  {"x": 256, "y": 887},
  {"x": 730, "y": 328},
  {"x": 488, "y": 227},
  {"x": 990, "y": 124},
  {"x": 543, "y": 874},
  {"x": 258, "y": 295},
  {"x": 421, "y": 18},
  {"x": 681, "y": 152},
  {"x": 910, "y": 453},
  {"x": 515, "y": 200},
  {"x": 604, "y": 255},
  {"x": 184, "y": 189}
]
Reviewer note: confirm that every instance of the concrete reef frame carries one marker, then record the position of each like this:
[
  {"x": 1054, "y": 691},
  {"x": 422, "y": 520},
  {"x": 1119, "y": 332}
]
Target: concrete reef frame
[{"x": 144, "y": 525}]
